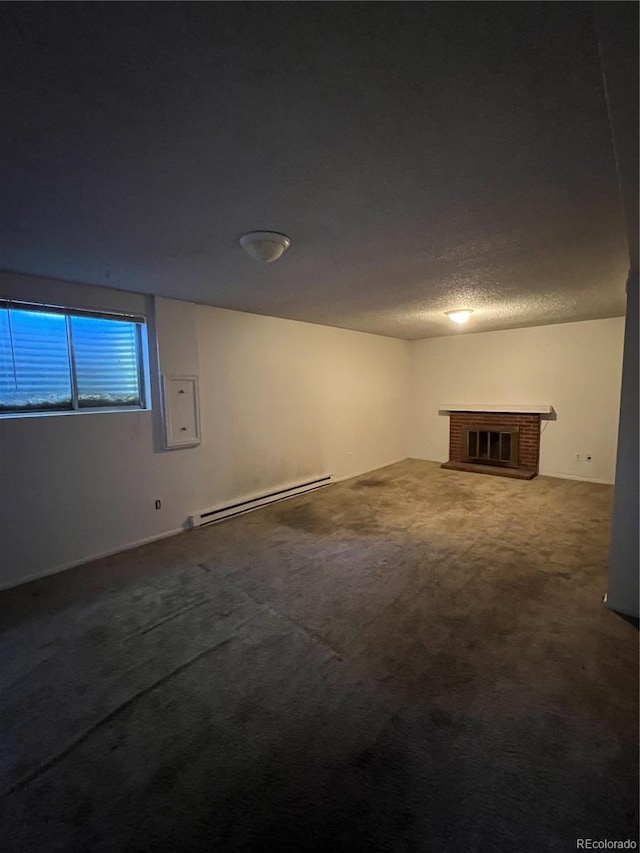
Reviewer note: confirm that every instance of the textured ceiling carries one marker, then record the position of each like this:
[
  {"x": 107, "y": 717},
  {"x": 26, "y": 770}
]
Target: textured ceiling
[{"x": 421, "y": 156}]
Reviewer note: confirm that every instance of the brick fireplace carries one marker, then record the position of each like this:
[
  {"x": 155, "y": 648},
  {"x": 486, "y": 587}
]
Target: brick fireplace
[{"x": 504, "y": 443}]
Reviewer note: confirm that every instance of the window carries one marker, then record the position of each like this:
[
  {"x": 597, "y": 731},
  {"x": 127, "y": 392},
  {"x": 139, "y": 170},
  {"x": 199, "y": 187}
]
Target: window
[{"x": 54, "y": 359}]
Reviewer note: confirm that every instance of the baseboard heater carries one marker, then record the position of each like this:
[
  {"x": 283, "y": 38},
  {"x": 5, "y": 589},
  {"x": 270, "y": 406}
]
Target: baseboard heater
[{"x": 209, "y": 516}]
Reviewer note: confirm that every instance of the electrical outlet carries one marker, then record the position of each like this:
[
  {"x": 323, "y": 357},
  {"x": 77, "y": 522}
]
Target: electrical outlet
[{"x": 158, "y": 504}]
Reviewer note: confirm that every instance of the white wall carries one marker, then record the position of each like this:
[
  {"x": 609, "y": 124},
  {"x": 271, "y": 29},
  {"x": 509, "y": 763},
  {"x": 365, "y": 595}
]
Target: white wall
[
  {"x": 575, "y": 367},
  {"x": 295, "y": 400},
  {"x": 280, "y": 400}
]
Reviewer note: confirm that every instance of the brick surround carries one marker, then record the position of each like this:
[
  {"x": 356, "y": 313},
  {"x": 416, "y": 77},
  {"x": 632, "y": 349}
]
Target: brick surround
[{"x": 529, "y": 447}]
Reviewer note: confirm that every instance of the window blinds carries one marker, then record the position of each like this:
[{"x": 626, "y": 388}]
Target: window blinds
[{"x": 53, "y": 360}]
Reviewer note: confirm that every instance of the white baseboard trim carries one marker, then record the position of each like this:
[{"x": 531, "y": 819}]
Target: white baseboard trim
[
  {"x": 574, "y": 477},
  {"x": 90, "y": 559}
]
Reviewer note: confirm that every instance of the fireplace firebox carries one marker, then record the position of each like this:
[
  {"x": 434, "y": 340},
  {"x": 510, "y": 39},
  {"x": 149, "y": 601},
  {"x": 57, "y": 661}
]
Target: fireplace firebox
[{"x": 495, "y": 445}]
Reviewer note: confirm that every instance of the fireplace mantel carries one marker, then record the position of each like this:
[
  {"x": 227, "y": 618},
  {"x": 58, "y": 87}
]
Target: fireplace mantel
[{"x": 510, "y": 408}]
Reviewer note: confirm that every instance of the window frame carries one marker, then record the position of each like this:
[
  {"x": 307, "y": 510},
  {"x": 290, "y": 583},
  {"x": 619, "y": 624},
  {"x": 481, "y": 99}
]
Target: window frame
[{"x": 141, "y": 349}]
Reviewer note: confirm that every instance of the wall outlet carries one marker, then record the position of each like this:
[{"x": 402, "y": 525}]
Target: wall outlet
[{"x": 158, "y": 504}]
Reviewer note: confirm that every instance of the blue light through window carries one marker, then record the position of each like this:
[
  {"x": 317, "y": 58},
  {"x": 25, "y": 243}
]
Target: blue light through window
[
  {"x": 54, "y": 360},
  {"x": 106, "y": 361}
]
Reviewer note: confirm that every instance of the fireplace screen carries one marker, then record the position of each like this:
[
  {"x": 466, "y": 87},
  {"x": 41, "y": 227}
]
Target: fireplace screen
[{"x": 495, "y": 446}]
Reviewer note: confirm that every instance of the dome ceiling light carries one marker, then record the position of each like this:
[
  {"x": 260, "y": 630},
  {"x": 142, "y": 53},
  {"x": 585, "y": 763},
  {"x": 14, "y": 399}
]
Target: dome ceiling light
[
  {"x": 459, "y": 316},
  {"x": 265, "y": 246}
]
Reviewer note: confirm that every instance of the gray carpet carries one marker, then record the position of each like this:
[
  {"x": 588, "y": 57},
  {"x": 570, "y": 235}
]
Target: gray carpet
[{"x": 414, "y": 660}]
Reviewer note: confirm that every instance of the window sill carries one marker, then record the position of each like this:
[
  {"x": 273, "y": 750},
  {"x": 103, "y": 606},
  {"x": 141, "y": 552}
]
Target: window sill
[{"x": 56, "y": 414}]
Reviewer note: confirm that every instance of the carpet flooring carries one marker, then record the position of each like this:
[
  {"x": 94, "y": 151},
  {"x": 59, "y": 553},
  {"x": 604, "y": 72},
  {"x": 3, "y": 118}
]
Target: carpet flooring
[{"x": 412, "y": 660}]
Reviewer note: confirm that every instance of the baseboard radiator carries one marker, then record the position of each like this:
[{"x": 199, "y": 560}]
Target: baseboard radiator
[{"x": 210, "y": 516}]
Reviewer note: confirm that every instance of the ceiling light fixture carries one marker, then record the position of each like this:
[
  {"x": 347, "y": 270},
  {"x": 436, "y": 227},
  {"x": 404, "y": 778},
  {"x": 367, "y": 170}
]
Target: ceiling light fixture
[
  {"x": 266, "y": 246},
  {"x": 461, "y": 316}
]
